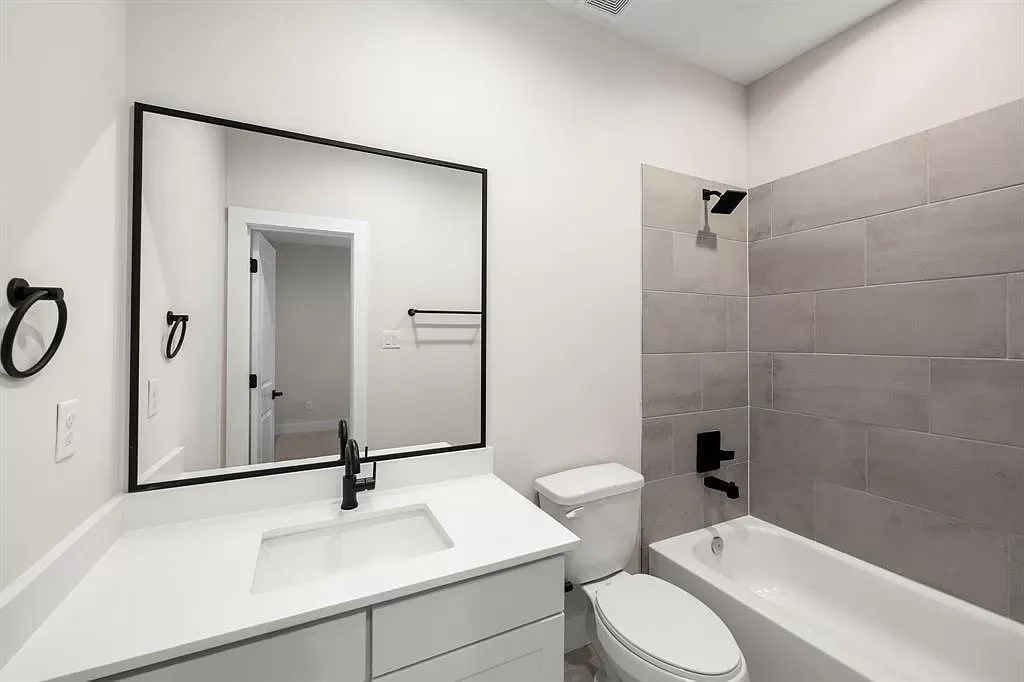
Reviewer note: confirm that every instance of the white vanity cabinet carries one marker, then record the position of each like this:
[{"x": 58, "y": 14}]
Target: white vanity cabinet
[
  {"x": 532, "y": 653},
  {"x": 329, "y": 651},
  {"x": 506, "y": 626}
]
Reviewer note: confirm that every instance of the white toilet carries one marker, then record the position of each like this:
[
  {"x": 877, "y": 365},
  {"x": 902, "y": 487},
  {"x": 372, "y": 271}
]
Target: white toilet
[{"x": 642, "y": 628}]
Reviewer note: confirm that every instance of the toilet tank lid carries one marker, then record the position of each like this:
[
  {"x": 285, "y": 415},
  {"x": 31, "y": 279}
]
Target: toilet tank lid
[{"x": 589, "y": 483}]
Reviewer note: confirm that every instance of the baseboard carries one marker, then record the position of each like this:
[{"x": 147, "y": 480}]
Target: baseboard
[{"x": 306, "y": 427}]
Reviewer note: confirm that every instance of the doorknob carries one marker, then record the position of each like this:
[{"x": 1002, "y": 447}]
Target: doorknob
[{"x": 275, "y": 394}]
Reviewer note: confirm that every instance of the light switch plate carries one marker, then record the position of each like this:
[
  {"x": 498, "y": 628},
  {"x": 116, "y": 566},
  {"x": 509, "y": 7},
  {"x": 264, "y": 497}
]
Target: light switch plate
[
  {"x": 152, "y": 398},
  {"x": 390, "y": 340},
  {"x": 65, "y": 438}
]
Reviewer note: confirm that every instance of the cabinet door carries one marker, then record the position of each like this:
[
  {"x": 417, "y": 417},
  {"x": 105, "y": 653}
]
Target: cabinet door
[
  {"x": 330, "y": 651},
  {"x": 531, "y": 653},
  {"x": 426, "y": 625}
]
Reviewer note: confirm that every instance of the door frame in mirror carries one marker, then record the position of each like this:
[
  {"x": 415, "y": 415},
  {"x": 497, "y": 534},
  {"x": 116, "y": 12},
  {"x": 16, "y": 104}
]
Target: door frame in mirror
[
  {"x": 241, "y": 223},
  {"x": 134, "y": 485}
]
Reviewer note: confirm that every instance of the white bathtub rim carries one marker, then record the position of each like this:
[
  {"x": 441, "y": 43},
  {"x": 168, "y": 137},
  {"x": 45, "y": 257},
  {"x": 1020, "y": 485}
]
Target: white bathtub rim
[
  {"x": 823, "y": 641},
  {"x": 708, "y": 573}
]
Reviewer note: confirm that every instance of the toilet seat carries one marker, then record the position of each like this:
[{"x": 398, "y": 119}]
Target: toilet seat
[{"x": 668, "y": 628}]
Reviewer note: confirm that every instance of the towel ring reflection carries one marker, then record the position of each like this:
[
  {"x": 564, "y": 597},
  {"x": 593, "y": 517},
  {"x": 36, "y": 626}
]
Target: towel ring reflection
[
  {"x": 176, "y": 323},
  {"x": 21, "y": 296}
]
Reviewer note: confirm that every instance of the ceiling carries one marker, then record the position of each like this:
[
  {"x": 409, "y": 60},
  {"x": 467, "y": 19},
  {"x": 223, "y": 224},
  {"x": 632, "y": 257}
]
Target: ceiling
[{"x": 742, "y": 40}]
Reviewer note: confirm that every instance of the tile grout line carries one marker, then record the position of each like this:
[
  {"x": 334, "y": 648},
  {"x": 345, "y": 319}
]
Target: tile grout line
[
  {"x": 912, "y": 207},
  {"x": 872, "y": 425},
  {"x": 874, "y": 285}
]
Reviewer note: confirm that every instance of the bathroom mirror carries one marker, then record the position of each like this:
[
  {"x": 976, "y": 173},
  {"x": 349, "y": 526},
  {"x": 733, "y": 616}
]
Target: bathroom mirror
[{"x": 283, "y": 282}]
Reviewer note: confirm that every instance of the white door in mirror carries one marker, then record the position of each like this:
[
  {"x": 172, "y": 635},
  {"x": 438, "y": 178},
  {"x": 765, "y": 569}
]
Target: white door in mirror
[{"x": 64, "y": 442}]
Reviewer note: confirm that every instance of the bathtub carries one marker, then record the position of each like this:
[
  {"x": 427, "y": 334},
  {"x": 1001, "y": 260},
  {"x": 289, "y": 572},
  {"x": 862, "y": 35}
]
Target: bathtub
[{"x": 803, "y": 612}]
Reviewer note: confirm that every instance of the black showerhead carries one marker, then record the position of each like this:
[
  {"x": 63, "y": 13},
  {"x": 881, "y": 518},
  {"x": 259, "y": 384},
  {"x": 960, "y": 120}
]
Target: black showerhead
[{"x": 727, "y": 201}]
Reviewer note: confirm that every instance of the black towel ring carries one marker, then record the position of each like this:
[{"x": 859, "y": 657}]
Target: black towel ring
[
  {"x": 22, "y": 297},
  {"x": 176, "y": 322}
]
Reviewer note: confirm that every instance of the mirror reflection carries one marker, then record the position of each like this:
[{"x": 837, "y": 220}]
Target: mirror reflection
[{"x": 299, "y": 284}]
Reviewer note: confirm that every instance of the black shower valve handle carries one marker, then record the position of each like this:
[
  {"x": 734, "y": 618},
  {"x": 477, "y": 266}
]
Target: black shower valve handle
[{"x": 710, "y": 454}]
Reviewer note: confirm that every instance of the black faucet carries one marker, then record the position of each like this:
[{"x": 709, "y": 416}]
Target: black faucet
[
  {"x": 350, "y": 484},
  {"x": 728, "y": 487}
]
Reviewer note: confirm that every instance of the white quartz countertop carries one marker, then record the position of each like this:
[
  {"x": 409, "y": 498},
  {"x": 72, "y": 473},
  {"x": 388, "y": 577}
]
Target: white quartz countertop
[{"x": 166, "y": 591}]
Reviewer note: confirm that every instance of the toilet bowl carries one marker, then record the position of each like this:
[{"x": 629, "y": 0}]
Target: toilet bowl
[{"x": 642, "y": 628}]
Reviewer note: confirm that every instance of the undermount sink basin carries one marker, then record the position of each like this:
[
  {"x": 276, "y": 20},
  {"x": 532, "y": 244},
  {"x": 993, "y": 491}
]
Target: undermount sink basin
[{"x": 289, "y": 556}]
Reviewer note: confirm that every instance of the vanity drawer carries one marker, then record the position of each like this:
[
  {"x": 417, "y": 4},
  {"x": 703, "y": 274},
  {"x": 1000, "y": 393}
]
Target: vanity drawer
[
  {"x": 417, "y": 628},
  {"x": 532, "y": 652},
  {"x": 329, "y": 651}
]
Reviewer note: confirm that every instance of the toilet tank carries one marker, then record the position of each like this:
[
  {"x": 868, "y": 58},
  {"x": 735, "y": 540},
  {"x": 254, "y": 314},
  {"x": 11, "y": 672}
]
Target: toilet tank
[{"x": 601, "y": 505}]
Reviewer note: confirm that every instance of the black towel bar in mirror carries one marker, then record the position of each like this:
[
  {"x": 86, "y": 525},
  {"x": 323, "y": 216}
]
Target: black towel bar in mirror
[
  {"x": 179, "y": 325},
  {"x": 413, "y": 312},
  {"x": 21, "y": 296}
]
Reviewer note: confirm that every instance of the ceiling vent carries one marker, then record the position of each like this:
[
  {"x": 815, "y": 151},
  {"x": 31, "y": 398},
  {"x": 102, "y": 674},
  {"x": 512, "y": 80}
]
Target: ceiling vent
[{"x": 613, "y": 7}]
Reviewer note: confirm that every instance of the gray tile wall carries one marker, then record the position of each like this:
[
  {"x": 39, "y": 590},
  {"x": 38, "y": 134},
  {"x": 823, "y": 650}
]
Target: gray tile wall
[
  {"x": 695, "y": 359},
  {"x": 887, "y": 379}
]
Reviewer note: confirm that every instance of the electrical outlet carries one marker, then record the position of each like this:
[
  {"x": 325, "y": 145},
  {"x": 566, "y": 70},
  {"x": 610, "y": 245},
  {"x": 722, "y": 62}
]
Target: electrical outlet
[
  {"x": 153, "y": 398},
  {"x": 64, "y": 440},
  {"x": 390, "y": 340},
  {"x": 309, "y": 406}
]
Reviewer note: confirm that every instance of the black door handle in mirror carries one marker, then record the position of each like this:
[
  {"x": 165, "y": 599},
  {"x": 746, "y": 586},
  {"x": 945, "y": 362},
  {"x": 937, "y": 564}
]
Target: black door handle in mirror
[{"x": 276, "y": 394}]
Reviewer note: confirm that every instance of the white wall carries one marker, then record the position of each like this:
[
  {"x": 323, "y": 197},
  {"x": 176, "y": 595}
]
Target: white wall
[
  {"x": 424, "y": 251},
  {"x": 184, "y": 237},
  {"x": 562, "y": 113},
  {"x": 314, "y": 323},
  {"x": 63, "y": 170},
  {"x": 913, "y": 66}
]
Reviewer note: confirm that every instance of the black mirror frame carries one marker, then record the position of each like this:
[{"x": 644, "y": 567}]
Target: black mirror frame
[{"x": 139, "y": 109}]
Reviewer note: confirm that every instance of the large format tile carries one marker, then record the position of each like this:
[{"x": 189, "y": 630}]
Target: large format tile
[
  {"x": 673, "y": 261},
  {"x": 826, "y": 449},
  {"x": 953, "y": 555},
  {"x": 827, "y": 258},
  {"x": 760, "y": 377},
  {"x": 673, "y": 201},
  {"x": 759, "y": 216},
  {"x": 731, "y": 422},
  {"x": 720, "y": 268},
  {"x": 873, "y": 390},
  {"x": 725, "y": 380},
  {"x": 656, "y": 448},
  {"x": 878, "y": 180},
  {"x": 957, "y": 318},
  {"x": 658, "y": 270},
  {"x": 718, "y": 508},
  {"x": 784, "y": 322},
  {"x": 980, "y": 399},
  {"x": 982, "y": 234},
  {"x": 671, "y": 384},
  {"x": 783, "y": 495},
  {"x": 1017, "y": 577},
  {"x": 979, "y": 482},
  {"x": 1015, "y": 320},
  {"x": 683, "y": 323},
  {"x": 977, "y": 153},
  {"x": 736, "y": 323},
  {"x": 671, "y": 506}
]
